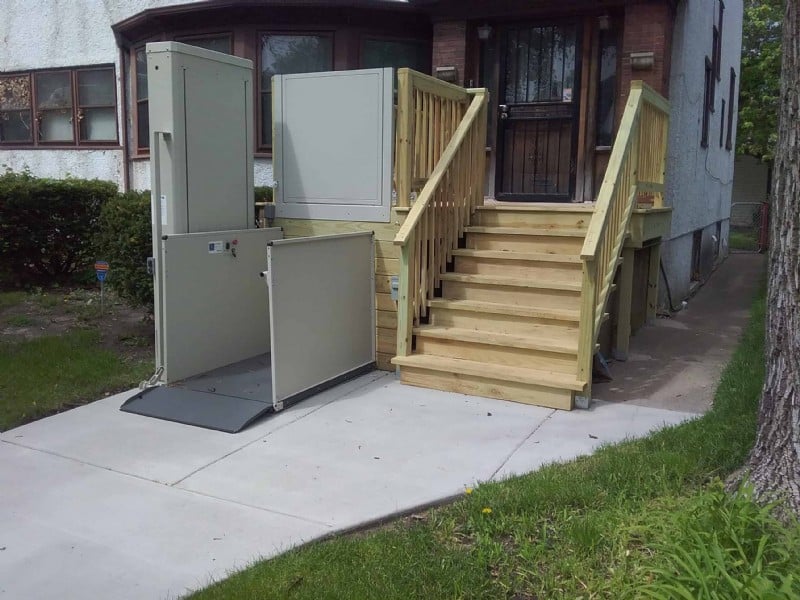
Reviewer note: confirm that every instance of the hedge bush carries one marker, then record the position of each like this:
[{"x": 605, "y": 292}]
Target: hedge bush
[
  {"x": 47, "y": 227},
  {"x": 125, "y": 239}
]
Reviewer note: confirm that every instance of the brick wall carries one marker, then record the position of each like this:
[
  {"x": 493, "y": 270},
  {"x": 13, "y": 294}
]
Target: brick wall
[
  {"x": 450, "y": 46},
  {"x": 648, "y": 28}
]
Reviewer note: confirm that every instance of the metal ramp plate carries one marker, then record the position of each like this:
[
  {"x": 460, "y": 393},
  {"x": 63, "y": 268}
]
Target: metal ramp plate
[{"x": 226, "y": 399}]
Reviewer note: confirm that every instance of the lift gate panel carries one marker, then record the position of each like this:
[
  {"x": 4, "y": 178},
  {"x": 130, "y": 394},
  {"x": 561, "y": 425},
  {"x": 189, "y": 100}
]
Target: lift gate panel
[{"x": 322, "y": 311}]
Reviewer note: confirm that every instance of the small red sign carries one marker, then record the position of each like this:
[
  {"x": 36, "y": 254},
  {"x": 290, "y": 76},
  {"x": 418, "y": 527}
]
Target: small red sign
[{"x": 101, "y": 265}]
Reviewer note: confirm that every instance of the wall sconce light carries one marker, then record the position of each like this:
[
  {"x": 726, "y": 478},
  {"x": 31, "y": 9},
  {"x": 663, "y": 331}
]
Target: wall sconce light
[
  {"x": 604, "y": 22},
  {"x": 642, "y": 61},
  {"x": 484, "y": 32},
  {"x": 448, "y": 74}
]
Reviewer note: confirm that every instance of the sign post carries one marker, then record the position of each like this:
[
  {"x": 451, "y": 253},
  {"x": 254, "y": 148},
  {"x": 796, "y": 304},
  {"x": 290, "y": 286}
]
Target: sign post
[{"x": 101, "y": 268}]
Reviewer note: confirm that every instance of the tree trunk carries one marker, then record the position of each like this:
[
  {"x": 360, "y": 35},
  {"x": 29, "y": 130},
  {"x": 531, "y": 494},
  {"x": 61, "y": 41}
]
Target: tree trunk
[{"x": 774, "y": 462}]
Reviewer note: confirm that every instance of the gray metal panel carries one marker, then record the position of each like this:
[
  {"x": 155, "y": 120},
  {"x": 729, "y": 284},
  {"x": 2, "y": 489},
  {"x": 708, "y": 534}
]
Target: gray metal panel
[
  {"x": 214, "y": 304},
  {"x": 322, "y": 315},
  {"x": 332, "y": 145},
  {"x": 204, "y": 100}
]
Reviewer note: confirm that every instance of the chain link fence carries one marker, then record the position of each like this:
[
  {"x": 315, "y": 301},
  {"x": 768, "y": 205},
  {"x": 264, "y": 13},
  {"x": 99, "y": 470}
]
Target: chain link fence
[{"x": 749, "y": 226}]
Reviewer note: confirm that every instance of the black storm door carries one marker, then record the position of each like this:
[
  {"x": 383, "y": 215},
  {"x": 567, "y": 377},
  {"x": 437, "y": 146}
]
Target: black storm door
[{"x": 538, "y": 113}]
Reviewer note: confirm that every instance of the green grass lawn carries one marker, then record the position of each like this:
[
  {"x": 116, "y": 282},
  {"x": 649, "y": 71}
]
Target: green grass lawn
[
  {"x": 743, "y": 240},
  {"x": 643, "y": 519},
  {"x": 46, "y": 373}
]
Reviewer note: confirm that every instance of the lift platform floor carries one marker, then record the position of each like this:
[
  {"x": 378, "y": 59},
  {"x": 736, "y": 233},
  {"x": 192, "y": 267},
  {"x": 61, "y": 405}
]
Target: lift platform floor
[{"x": 226, "y": 399}]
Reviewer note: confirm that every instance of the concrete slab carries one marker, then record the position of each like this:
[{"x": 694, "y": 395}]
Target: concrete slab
[
  {"x": 676, "y": 362},
  {"x": 75, "y": 531},
  {"x": 99, "y": 434},
  {"x": 384, "y": 448},
  {"x": 565, "y": 436}
]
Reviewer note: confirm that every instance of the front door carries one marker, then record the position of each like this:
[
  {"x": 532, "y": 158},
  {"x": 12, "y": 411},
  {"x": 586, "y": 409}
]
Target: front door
[{"x": 538, "y": 113}]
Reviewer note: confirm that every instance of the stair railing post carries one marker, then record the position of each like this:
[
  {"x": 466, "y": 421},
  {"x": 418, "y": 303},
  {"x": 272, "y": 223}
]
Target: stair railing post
[
  {"x": 405, "y": 297},
  {"x": 587, "y": 325},
  {"x": 405, "y": 136}
]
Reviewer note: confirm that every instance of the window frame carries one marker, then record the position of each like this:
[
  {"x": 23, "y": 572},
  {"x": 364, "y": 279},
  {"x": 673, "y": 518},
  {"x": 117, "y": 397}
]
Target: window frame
[
  {"x": 31, "y": 112},
  {"x": 719, "y": 40},
  {"x": 722, "y": 122},
  {"x": 707, "y": 102},
  {"x": 731, "y": 104},
  {"x": 137, "y": 150},
  {"x": 187, "y": 39},
  {"x": 262, "y": 149},
  {"x": 372, "y": 37},
  {"x": 76, "y": 143}
]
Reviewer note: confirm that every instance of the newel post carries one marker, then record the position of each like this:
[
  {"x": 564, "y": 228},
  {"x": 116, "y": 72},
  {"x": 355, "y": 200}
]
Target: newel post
[
  {"x": 405, "y": 297},
  {"x": 587, "y": 324},
  {"x": 405, "y": 136}
]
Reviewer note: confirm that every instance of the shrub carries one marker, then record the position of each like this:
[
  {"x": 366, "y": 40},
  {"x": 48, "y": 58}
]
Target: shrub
[
  {"x": 47, "y": 227},
  {"x": 125, "y": 241},
  {"x": 262, "y": 193}
]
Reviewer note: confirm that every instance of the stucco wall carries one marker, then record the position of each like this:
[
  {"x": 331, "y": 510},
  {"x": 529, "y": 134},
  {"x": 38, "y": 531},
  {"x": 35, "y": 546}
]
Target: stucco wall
[
  {"x": 140, "y": 173},
  {"x": 49, "y": 34},
  {"x": 699, "y": 180}
]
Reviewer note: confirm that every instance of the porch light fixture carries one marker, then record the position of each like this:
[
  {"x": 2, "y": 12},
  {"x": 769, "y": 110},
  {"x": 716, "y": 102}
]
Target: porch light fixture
[
  {"x": 484, "y": 32},
  {"x": 604, "y": 22}
]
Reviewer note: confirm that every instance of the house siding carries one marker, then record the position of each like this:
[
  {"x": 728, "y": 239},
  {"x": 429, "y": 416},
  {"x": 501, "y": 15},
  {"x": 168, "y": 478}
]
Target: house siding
[{"x": 699, "y": 180}]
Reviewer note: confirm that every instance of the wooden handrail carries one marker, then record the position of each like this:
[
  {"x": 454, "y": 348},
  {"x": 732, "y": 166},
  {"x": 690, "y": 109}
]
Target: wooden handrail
[
  {"x": 432, "y": 183},
  {"x": 428, "y": 113},
  {"x": 453, "y": 187},
  {"x": 635, "y": 168}
]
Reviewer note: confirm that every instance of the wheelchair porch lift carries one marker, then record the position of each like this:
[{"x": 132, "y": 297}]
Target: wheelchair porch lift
[{"x": 247, "y": 322}]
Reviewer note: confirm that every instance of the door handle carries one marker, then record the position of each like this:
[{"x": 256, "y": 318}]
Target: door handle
[{"x": 503, "y": 111}]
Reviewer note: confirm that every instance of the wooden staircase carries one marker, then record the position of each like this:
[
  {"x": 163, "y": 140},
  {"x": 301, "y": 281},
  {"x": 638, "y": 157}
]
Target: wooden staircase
[
  {"x": 505, "y": 324},
  {"x": 506, "y": 300}
]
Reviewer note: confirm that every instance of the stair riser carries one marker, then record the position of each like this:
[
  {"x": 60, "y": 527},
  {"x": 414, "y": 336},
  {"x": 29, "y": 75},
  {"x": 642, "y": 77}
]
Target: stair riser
[
  {"x": 500, "y": 355},
  {"x": 488, "y": 387},
  {"x": 518, "y": 296},
  {"x": 564, "y": 220},
  {"x": 499, "y": 323},
  {"x": 544, "y": 271},
  {"x": 525, "y": 243}
]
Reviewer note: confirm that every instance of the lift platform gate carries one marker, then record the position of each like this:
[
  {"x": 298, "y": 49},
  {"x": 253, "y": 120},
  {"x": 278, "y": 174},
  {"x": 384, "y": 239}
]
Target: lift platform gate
[{"x": 228, "y": 347}]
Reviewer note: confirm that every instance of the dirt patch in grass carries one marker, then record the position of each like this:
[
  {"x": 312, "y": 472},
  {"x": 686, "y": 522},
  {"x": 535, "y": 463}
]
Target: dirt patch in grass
[{"x": 126, "y": 331}]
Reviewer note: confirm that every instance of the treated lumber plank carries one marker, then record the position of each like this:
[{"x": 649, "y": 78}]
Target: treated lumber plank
[{"x": 498, "y": 372}]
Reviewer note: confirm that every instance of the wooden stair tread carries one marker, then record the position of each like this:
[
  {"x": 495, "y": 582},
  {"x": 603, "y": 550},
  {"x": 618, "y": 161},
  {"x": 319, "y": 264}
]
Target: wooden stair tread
[
  {"x": 490, "y": 371},
  {"x": 564, "y": 208},
  {"x": 539, "y": 231},
  {"x": 511, "y": 281},
  {"x": 512, "y": 255},
  {"x": 556, "y": 314},
  {"x": 566, "y": 343}
]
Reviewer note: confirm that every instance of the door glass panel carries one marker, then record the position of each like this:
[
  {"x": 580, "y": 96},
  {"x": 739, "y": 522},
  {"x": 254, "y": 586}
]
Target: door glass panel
[
  {"x": 540, "y": 65},
  {"x": 538, "y": 123}
]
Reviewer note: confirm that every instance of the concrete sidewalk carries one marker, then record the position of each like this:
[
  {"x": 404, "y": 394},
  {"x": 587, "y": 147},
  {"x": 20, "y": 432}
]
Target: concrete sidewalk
[{"x": 96, "y": 503}]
